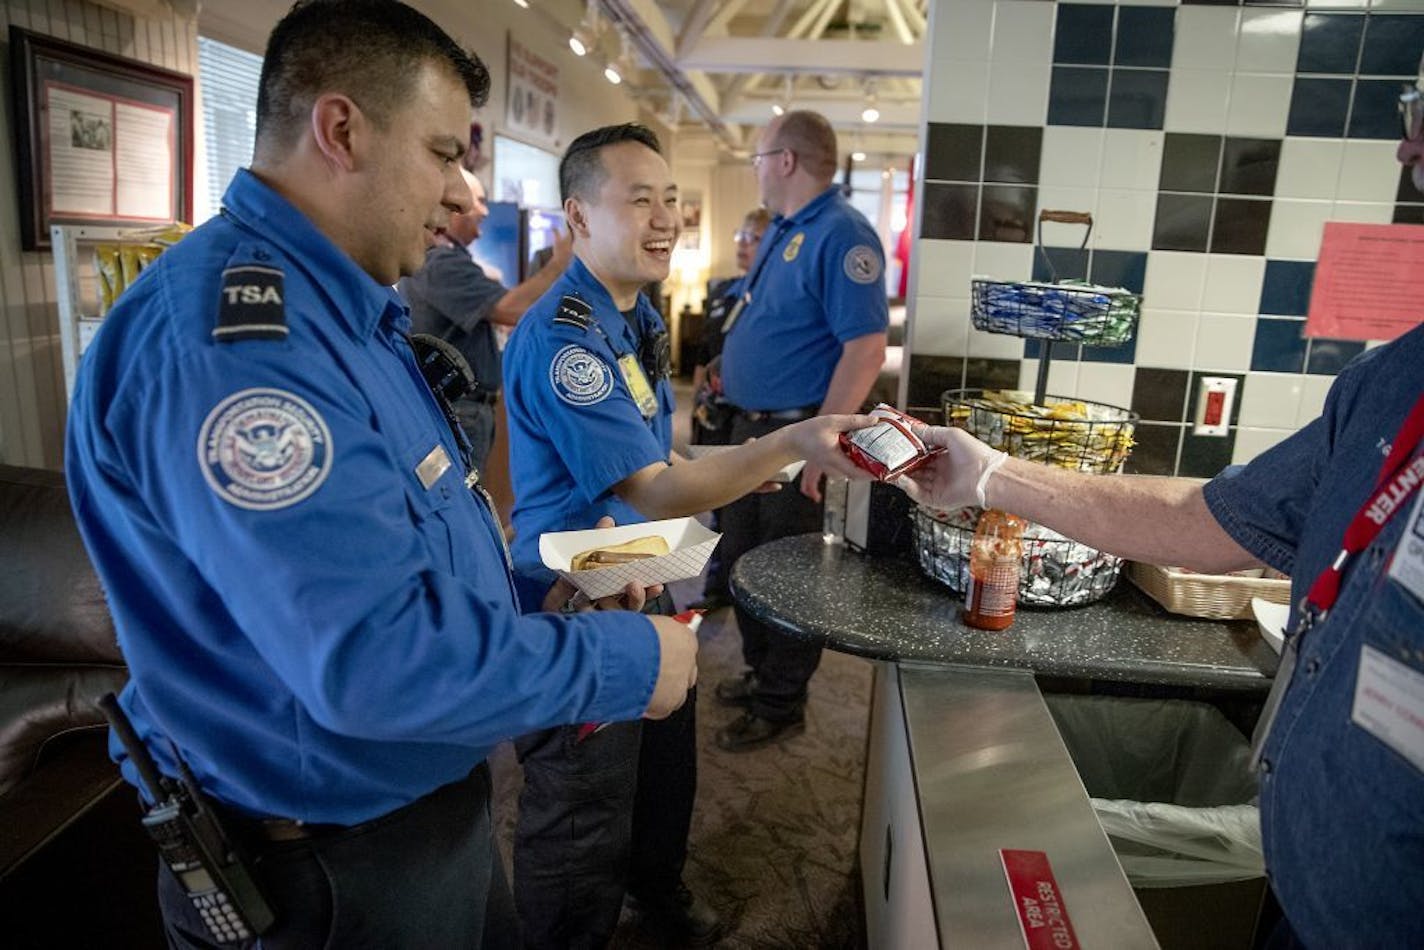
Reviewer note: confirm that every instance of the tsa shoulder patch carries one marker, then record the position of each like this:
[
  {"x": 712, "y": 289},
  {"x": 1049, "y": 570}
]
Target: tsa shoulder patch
[
  {"x": 264, "y": 449},
  {"x": 574, "y": 312},
  {"x": 862, "y": 264},
  {"x": 579, "y": 377},
  {"x": 250, "y": 306}
]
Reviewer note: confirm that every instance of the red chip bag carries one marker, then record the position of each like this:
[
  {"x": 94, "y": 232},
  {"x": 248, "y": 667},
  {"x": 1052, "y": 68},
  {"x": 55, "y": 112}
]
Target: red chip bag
[{"x": 889, "y": 448}]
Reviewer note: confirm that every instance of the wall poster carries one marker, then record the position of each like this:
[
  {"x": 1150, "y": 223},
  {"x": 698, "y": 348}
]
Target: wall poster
[{"x": 531, "y": 110}]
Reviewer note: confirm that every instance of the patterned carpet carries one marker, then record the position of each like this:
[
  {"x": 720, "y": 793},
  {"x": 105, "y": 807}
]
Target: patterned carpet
[{"x": 774, "y": 835}]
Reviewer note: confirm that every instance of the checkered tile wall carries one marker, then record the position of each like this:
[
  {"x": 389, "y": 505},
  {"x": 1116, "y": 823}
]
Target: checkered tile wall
[{"x": 1211, "y": 141}]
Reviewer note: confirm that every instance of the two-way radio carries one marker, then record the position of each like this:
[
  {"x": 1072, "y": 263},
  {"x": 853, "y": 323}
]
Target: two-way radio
[{"x": 192, "y": 843}]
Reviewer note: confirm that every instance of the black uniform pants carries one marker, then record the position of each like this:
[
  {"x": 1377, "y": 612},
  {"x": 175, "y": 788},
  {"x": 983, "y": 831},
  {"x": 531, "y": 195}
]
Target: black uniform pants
[
  {"x": 717, "y": 570},
  {"x": 601, "y": 815},
  {"x": 783, "y": 664},
  {"x": 426, "y": 875}
]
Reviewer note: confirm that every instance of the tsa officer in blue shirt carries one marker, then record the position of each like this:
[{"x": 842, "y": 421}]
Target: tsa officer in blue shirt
[
  {"x": 807, "y": 338},
  {"x": 317, "y": 611},
  {"x": 1338, "y": 506},
  {"x": 590, "y": 415}
]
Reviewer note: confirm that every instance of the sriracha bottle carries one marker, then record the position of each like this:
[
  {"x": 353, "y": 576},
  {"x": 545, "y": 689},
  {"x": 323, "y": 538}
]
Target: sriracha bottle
[{"x": 995, "y": 557}]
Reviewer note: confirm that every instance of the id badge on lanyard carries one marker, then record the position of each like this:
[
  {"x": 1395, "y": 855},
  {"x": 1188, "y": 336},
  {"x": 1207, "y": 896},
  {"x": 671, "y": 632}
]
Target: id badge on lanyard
[{"x": 638, "y": 385}]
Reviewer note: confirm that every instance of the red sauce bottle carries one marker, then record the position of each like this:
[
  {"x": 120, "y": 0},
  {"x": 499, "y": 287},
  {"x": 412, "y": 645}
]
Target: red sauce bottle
[{"x": 995, "y": 559}]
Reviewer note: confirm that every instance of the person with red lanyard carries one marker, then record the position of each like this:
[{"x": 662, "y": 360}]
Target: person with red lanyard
[{"x": 1338, "y": 506}]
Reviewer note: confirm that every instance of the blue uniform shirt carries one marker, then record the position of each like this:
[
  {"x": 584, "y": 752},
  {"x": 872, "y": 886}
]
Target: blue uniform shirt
[
  {"x": 1342, "y": 814},
  {"x": 575, "y": 429},
  {"x": 817, "y": 283},
  {"x": 312, "y": 609}
]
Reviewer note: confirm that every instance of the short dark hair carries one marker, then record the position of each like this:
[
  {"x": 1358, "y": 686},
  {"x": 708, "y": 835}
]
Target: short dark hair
[
  {"x": 581, "y": 169},
  {"x": 370, "y": 50}
]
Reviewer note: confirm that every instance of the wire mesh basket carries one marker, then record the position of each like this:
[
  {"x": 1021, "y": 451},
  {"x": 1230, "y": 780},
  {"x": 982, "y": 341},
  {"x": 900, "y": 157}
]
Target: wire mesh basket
[
  {"x": 1057, "y": 571},
  {"x": 1069, "y": 433},
  {"x": 1069, "y": 310}
]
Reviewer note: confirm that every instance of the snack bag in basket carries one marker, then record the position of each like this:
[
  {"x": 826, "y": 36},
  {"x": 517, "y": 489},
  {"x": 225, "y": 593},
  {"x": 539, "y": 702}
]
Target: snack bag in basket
[{"x": 889, "y": 448}]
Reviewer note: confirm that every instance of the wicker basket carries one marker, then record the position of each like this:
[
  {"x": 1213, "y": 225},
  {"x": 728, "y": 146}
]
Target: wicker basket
[
  {"x": 1216, "y": 596},
  {"x": 1070, "y": 433}
]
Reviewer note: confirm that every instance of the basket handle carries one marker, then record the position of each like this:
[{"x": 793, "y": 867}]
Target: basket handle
[{"x": 1062, "y": 217}]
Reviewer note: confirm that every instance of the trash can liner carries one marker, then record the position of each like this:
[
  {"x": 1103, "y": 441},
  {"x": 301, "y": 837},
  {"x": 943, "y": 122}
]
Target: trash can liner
[{"x": 1162, "y": 845}]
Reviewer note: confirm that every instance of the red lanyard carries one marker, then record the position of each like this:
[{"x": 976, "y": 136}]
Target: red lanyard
[{"x": 1399, "y": 478}]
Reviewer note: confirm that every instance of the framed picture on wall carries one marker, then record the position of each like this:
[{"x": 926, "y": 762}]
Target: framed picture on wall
[{"x": 102, "y": 140}]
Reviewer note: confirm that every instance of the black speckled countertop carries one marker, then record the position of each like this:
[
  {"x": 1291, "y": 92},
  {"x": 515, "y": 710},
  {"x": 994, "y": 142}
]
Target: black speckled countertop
[{"x": 886, "y": 609}]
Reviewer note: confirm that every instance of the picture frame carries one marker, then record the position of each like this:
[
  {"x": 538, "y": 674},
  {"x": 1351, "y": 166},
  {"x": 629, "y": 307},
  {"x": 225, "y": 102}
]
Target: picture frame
[{"x": 102, "y": 140}]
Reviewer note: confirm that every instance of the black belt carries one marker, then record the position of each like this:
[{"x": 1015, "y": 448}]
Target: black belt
[
  {"x": 483, "y": 396},
  {"x": 788, "y": 415}
]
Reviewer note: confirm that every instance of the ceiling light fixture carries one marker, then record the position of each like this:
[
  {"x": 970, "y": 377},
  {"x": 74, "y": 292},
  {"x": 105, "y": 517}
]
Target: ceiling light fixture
[
  {"x": 871, "y": 112},
  {"x": 522, "y": 4},
  {"x": 585, "y": 35},
  {"x": 857, "y": 156},
  {"x": 778, "y": 109}
]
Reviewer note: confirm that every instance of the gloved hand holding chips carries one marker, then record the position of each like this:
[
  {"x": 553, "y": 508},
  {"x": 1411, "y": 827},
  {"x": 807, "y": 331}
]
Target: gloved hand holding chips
[{"x": 889, "y": 448}]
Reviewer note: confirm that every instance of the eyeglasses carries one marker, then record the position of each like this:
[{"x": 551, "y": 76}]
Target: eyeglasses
[
  {"x": 756, "y": 157},
  {"x": 1411, "y": 111},
  {"x": 747, "y": 236}
]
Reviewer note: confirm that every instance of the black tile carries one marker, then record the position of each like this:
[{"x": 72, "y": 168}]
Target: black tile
[
  {"x": 1279, "y": 346},
  {"x": 1189, "y": 162},
  {"x": 1144, "y": 36},
  {"x": 1211, "y": 3},
  {"x": 951, "y": 211},
  {"x": 1194, "y": 392},
  {"x": 1122, "y": 355},
  {"x": 1248, "y": 166},
  {"x": 1274, "y": 3},
  {"x": 1285, "y": 291},
  {"x": 930, "y": 376},
  {"x": 1160, "y": 395},
  {"x": 1083, "y": 34},
  {"x": 1330, "y": 43},
  {"x": 1137, "y": 99},
  {"x": 991, "y": 374},
  {"x": 952, "y": 152},
  {"x": 1012, "y": 153},
  {"x": 1375, "y": 113},
  {"x": 1204, "y": 456},
  {"x": 1407, "y": 192},
  {"x": 1078, "y": 96},
  {"x": 1060, "y": 351},
  {"x": 1063, "y": 263},
  {"x": 1408, "y": 214},
  {"x": 1328, "y": 357},
  {"x": 1007, "y": 214},
  {"x": 1156, "y": 450},
  {"x": 1318, "y": 107},
  {"x": 1240, "y": 226},
  {"x": 1392, "y": 44},
  {"x": 1125, "y": 269},
  {"x": 1183, "y": 223}
]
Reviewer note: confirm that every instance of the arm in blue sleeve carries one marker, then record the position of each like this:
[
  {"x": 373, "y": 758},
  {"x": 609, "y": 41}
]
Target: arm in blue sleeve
[{"x": 852, "y": 275}]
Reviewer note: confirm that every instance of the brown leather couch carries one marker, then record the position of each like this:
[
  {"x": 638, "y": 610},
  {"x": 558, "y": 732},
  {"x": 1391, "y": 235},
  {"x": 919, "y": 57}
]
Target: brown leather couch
[{"x": 67, "y": 821}]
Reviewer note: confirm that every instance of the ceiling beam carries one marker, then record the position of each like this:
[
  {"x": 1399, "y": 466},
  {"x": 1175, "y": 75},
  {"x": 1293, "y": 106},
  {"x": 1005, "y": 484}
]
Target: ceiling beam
[
  {"x": 696, "y": 23},
  {"x": 897, "y": 20},
  {"x": 843, "y": 114},
  {"x": 774, "y": 55}
]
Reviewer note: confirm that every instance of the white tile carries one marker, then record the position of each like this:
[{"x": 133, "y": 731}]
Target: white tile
[
  {"x": 1123, "y": 219},
  {"x": 1058, "y": 198},
  {"x": 1023, "y": 33},
  {"x": 1295, "y": 229},
  {"x": 1197, "y": 99},
  {"x": 1018, "y": 93},
  {"x": 1132, "y": 158},
  {"x": 995, "y": 346},
  {"x": 1313, "y": 391},
  {"x": 1337, "y": 4},
  {"x": 1259, "y": 105},
  {"x": 1175, "y": 280},
  {"x": 939, "y": 327},
  {"x": 1166, "y": 339},
  {"x": 1109, "y": 383},
  {"x": 1071, "y": 157},
  {"x": 1310, "y": 168},
  {"x": 1003, "y": 261},
  {"x": 1271, "y": 399},
  {"x": 1233, "y": 284},
  {"x": 1398, "y": 4},
  {"x": 1062, "y": 377},
  {"x": 1252, "y": 442},
  {"x": 958, "y": 91},
  {"x": 1224, "y": 342},
  {"x": 962, "y": 30},
  {"x": 1362, "y": 212},
  {"x": 942, "y": 268},
  {"x": 1268, "y": 40},
  {"x": 1206, "y": 38},
  {"x": 1368, "y": 171}
]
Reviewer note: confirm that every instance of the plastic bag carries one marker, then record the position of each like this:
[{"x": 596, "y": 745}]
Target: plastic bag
[{"x": 1161, "y": 845}]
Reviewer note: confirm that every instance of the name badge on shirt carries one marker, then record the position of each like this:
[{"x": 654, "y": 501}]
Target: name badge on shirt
[
  {"x": 1407, "y": 567},
  {"x": 638, "y": 385},
  {"x": 435, "y": 464},
  {"x": 1389, "y": 704}
]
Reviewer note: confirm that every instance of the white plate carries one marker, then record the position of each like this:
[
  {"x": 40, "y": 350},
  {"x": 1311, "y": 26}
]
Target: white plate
[
  {"x": 784, "y": 475},
  {"x": 690, "y": 545},
  {"x": 1271, "y": 618}
]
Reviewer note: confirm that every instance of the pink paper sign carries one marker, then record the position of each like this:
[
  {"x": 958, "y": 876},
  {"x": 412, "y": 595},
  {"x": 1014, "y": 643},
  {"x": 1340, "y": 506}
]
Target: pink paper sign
[{"x": 1367, "y": 282}]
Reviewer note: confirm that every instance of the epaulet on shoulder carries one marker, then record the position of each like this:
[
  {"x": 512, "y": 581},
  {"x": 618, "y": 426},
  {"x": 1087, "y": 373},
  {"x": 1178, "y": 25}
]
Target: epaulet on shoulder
[
  {"x": 250, "y": 304},
  {"x": 574, "y": 312}
]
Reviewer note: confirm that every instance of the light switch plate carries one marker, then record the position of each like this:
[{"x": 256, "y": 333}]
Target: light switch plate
[{"x": 1215, "y": 397}]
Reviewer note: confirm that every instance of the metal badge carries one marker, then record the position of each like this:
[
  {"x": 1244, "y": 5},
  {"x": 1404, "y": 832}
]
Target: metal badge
[{"x": 435, "y": 464}]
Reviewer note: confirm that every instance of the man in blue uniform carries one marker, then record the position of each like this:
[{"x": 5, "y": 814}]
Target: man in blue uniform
[
  {"x": 808, "y": 338},
  {"x": 317, "y": 613},
  {"x": 1337, "y": 506},
  {"x": 590, "y": 415},
  {"x": 454, "y": 299}
]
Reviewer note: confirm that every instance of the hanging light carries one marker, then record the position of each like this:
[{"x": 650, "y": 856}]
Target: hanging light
[
  {"x": 522, "y": 4},
  {"x": 585, "y": 35},
  {"x": 857, "y": 156},
  {"x": 612, "y": 73},
  {"x": 871, "y": 112},
  {"x": 778, "y": 109}
]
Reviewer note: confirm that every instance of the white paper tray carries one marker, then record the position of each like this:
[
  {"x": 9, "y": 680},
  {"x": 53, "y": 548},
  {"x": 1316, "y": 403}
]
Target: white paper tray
[
  {"x": 690, "y": 545},
  {"x": 785, "y": 475}
]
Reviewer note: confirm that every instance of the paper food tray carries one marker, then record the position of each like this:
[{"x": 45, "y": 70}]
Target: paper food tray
[
  {"x": 690, "y": 542},
  {"x": 785, "y": 475}
]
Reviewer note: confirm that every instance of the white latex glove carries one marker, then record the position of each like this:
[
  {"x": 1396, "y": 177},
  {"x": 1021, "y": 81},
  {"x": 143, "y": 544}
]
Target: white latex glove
[{"x": 955, "y": 478}]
